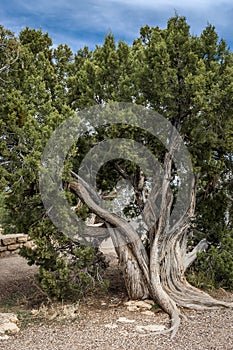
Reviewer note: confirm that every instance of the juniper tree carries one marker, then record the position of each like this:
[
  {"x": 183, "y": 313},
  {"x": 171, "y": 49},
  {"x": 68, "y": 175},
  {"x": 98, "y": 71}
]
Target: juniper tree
[
  {"x": 185, "y": 78},
  {"x": 33, "y": 104},
  {"x": 188, "y": 80}
]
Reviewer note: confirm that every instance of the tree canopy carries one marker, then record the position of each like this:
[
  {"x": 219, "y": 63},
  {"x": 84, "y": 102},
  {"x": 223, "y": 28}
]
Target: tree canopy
[{"x": 188, "y": 80}]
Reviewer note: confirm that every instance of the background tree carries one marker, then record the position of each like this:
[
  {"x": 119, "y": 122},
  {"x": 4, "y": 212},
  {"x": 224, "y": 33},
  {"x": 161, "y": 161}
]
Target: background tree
[
  {"x": 33, "y": 104},
  {"x": 188, "y": 80},
  {"x": 175, "y": 74}
]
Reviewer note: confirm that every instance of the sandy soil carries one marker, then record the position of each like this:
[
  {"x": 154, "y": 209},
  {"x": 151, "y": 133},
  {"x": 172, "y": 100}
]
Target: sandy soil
[{"x": 96, "y": 324}]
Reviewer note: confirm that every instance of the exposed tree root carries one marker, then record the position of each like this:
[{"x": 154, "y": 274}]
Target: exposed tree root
[{"x": 161, "y": 274}]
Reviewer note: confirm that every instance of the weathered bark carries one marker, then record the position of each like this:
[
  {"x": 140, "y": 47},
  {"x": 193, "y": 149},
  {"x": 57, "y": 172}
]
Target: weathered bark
[
  {"x": 161, "y": 274},
  {"x": 190, "y": 257},
  {"x": 134, "y": 280},
  {"x": 131, "y": 252}
]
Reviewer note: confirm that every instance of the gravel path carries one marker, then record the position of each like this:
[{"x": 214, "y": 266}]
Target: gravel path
[
  {"x": 210, "y": 330},
  {"x": 97, "y": 326}
]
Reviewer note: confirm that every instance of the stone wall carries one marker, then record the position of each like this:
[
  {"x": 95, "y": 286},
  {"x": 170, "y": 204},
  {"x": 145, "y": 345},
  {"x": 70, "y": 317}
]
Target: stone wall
[{"x": 11, "y": 244}]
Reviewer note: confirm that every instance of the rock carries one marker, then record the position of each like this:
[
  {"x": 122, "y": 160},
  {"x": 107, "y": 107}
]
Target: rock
[
  {"x": 132, "y": 308},
  {"x": 149, "y": 301},
  {"x": 125, "y": 320},
  {"x": 148, "y": 313},
  {"x": 138, "y": 305},
  {"x": 144, "y": 305},
  {"x": 151, "y": 328},
  {"x": 4, "y": 337},
  {"x": 8, "y": 324},
  {"x": 111, "y": 325},
  {"x": 8, "y": 239},
  {"x": 22, "y": 239},
  {"x": 9, "y": 328},
  {"x": 8, "y": 317},
  {"x": 13, "y": 247}
]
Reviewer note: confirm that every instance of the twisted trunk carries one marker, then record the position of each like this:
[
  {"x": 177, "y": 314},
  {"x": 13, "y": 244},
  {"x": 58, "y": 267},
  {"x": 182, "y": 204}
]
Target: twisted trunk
[{"x": 160, "y": 273}]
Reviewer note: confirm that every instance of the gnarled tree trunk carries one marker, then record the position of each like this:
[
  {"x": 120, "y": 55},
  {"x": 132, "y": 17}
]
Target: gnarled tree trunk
[{"x": 159, "y": 273}]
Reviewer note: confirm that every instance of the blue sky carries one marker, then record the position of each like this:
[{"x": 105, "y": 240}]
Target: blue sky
[{"x": 80, "y": 23}]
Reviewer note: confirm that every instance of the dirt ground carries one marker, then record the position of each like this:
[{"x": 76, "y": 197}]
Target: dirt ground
[{"x": 96, "y": 322}]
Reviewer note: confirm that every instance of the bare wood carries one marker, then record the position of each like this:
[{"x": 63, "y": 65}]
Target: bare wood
[{"x": 161, "y": 275}]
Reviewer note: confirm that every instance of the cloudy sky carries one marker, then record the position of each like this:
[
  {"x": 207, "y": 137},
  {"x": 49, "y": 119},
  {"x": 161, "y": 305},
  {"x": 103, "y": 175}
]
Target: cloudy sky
[{"x": 86, "y": 22}]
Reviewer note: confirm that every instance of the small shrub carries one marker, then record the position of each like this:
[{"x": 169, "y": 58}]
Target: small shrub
[
  {"x": 67, "y": 269},
  {"x": 214, "y": 268}
]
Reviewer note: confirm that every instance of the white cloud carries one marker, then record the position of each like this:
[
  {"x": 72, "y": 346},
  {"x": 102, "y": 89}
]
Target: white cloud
[
  {"x": 80, "y": 21},
  {"x": 162, "y": 4}
]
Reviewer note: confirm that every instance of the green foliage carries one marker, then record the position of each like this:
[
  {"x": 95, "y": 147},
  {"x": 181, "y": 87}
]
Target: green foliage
[
  {"x": 214, "y": 268},
  {"x": 67, "y": 270},
  {"x": 32, "y": 106},
  {"x": 2, "y": 208},
  {"x": 5, "y": 213},
  {"x": 186, "y": 78}
]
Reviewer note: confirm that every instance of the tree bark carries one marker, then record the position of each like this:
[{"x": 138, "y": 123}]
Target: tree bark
[{"x": 161, "y": 273}]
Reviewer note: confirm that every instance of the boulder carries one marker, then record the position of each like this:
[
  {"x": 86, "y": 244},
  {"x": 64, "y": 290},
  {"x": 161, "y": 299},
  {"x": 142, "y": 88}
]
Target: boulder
[{"x": 8, "y": 325}]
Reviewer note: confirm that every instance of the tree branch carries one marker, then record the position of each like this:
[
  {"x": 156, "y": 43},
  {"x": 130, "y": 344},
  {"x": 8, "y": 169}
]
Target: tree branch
[
  {"x": 190, "y": 257},
  {"x": 126, "y": 233}
]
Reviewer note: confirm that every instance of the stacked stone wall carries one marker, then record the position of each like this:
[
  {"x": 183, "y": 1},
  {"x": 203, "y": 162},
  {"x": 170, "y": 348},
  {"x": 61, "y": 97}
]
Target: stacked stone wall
[{"x": 11, "y": 244}]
